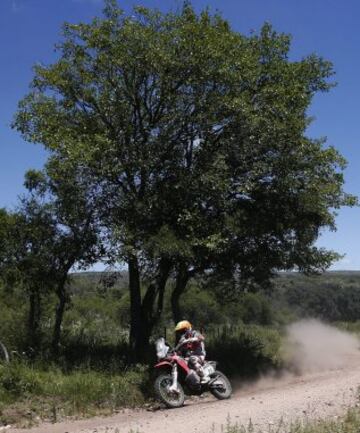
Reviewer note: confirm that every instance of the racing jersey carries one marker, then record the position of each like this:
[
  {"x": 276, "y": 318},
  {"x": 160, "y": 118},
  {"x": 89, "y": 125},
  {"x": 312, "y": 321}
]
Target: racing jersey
[{"x": 196, "y": 348}]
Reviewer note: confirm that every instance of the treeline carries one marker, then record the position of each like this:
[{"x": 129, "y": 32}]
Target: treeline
[
  {"x": 331, "y": 296},
  {"x": 96, "y": 322}
]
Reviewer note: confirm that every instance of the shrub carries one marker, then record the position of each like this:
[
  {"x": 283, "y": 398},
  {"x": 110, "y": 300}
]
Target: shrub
[
  {"x": 201, "y": 306},
  {"x": 49, "y": 391},
  {"x": 245, "y": 350},
  {"x": 256, "y": 309},
  {"x": 17, "y": 381},
  {"x": 12, "y": 318}
]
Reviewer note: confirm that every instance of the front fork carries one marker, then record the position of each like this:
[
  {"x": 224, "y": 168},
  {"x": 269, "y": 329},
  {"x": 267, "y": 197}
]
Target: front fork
[{"x": 174, "y": 375}]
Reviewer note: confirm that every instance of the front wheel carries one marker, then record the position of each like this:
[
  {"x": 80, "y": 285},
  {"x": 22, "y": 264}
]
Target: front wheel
[
  {"x": 220, "y": 387},
  {"x": 172, "y": 399}
]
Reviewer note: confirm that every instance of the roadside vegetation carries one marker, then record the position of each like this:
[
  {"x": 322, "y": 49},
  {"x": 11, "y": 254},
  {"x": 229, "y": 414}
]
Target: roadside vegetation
[
  {"x": 347, "y": 424},
  {"x": 93, "y": 374},
  {"x": 33, "y": 392}
]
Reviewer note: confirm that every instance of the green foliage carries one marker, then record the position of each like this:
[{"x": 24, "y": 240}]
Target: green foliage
[
  {"x": 48, "y": 390},
  {"x": 15, "y": 380},
  {"x": 95, "y": 347},
  {"x": 256, "y": 309},
  {"x": 201, "y": 307},
  {"x": 331, "y": 297},
  {"x": 245, "y": 350},
  {"x": 191, "y": 141},
  {"x": 206, "y": 307},
  {"x": 52, "y": 230},
  {"x": 93, "y": 320},
  {"x": 12, "y": 318}
]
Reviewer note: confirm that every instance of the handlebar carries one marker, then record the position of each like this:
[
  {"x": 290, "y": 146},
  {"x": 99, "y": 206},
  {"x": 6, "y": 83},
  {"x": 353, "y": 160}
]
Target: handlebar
[{"x": 187, "y": 340}]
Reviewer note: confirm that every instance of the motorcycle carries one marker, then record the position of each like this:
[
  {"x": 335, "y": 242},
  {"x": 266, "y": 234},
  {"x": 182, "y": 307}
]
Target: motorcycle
[{"x": 174, "y": 375}]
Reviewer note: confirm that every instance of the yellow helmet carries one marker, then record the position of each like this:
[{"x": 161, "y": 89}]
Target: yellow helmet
[{"x": 184, "y": 324}]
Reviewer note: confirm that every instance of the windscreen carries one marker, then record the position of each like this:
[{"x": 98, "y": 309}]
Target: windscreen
[{"x": 161, "y": 348}]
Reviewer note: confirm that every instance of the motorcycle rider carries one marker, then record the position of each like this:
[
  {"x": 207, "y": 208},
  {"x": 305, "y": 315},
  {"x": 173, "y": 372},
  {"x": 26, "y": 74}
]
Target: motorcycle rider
[{"x": 191, "y": 347}]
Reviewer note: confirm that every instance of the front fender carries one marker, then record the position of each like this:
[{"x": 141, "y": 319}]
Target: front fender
[{"x": 163, "y": 364}]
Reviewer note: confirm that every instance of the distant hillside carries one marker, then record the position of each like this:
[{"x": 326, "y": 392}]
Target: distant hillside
[
  {"x": 332, "y": 296},
  {"x": 83, "y": 282}
]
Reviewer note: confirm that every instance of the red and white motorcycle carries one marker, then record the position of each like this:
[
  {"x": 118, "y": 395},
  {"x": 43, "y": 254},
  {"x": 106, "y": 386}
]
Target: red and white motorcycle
[{"x": 174, "y": 375}]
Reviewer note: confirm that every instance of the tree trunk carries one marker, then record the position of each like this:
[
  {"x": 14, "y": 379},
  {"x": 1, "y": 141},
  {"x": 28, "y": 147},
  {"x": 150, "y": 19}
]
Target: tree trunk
[
  {"x": 135, "y": 307},
  {"x": 146, "y": 313},
  {"x": 34, "y": 318},
  {"x": 182, "y": 278},
  {"x": 59, "y": 314}
]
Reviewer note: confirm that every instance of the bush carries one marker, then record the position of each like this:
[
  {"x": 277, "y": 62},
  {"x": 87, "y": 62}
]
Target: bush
[
  {"x": 85, "y": 389},
  {"x": 12, "y": 318},
  {"x": 256, "y": 309},
  {"x": 201, "y": 306},
  {"x": 245, "y": 350},
  {"x": 93, "y": 320},
  {"x": 51, "y": 393}
]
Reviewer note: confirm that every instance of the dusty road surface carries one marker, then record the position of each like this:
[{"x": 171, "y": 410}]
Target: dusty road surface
[{"x": 316, "y": 395}]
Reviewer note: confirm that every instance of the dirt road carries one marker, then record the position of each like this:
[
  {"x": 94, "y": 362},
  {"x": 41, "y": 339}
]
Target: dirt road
[{"x": 323, "y": 394}]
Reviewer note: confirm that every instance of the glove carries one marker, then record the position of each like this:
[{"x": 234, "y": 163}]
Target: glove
[{"x": 187, "y": 340}]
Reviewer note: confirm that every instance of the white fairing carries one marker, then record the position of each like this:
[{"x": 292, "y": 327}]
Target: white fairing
[
  {"x": 161, "y": 348},
  {"x": 208, "y": 369}
]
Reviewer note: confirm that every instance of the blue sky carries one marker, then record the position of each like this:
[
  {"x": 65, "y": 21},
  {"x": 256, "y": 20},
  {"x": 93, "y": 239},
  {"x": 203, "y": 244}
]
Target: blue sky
[{"x": 30, "y": 28}]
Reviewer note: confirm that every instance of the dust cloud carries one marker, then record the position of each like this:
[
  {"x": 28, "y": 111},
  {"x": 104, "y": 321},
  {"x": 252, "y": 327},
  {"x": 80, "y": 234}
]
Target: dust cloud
[{"x": 312, "y": 346}]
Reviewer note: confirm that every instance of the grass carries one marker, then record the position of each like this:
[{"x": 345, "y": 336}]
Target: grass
[
  {"x": 350, "y": 423},
  {"x": 29, "y": 394},
  {"x": 89, "y": 379},
  {"x": 353, "y": 327}
]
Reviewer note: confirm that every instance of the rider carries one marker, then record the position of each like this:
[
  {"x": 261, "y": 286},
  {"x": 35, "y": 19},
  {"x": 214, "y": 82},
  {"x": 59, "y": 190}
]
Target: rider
[{"x": 191, "y": 347}]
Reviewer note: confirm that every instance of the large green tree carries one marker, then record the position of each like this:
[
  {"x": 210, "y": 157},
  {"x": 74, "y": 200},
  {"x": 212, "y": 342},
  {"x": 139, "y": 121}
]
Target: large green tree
[
  {"x": 23, "y": 238},
  {"x": 52, "y": 231},
  {"x": 193, "y": 137}
]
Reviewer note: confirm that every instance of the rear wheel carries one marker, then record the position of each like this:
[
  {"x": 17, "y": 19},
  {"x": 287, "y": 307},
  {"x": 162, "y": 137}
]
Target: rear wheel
[
  {"x": 221, "y": 386},
  {"x": 163, "y": 393}
]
